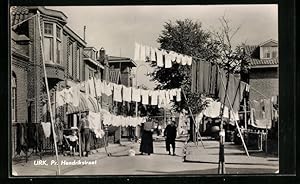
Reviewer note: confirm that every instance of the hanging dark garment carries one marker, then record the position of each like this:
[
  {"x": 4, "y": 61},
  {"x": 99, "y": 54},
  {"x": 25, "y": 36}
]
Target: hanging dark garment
[
  {"x": 213, "y": 79},
  {"x": 206, "y": 77},
  {"x": 194, "y": 77},
  {"x": 21, "y": 138}
]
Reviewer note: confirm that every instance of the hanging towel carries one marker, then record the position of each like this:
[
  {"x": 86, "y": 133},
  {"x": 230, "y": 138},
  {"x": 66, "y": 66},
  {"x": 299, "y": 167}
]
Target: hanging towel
[
  {"x": 117, "y": 93},
  {"x": 189, "y": 60},
  {"x": 145, "y": 96},
  {"x": 98, "y": 87},
  {"x": 179, "y": 59},
  {"x": 127, "y": 94},
  {"x": 184, "y": 60},
  {"x": 168, "y": 61},
  {"x": 148, "y": 52},
  {"x": 178, "y": 95},
  {"x": 46, "y": 128},
  {"x": 160, "y": 62},
  {"x": 152, "y": 57},
  {"x": 136, "y": 94},
  {"x": 143, "y": 53},
  {"x": 69, "y": 96},
  {"x": 154, "y": 96},
  {"x": 137, "y": 52},
  {"x": 168, "y": 100}
]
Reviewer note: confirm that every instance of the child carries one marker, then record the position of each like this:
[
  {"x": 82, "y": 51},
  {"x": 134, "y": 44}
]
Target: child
[
  {"x": 73, "y": 140},
  {"x": 131, "y": 152}
]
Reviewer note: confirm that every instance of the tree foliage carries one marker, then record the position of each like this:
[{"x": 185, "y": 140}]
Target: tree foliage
[{"x": 188, "y": 38}]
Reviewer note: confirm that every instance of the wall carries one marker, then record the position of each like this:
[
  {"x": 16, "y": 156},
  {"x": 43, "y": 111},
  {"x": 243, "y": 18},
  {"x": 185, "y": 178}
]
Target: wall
[{"x": 265, "y": 81}]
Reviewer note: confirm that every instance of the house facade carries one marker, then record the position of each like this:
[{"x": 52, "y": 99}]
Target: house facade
[{"x": 263, "y": 73}]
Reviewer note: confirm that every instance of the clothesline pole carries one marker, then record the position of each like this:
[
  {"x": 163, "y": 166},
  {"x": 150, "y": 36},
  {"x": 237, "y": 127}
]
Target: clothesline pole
[
  {"x": 221, "y": 164},
  {"x": 193, "y": 118},
  {"x": 48, "y": 95},
  {"x": 237, "y": 125},
  {"x": 245, "y": 113}
]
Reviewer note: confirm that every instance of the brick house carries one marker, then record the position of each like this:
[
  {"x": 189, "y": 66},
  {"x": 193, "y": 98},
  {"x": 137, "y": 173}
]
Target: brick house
[
  {"x": 66, "y": 64},
  {"x": 263, "y": 73}
]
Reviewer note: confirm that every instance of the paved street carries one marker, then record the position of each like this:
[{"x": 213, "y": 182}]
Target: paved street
[{"x": 198, "y": 161}]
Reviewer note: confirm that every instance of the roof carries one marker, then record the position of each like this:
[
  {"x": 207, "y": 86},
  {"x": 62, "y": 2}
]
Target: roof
[
  {"x": 18, "y": 14},
  {"x": 254, "y": 59},
  {"x": 116, "y": 59},
  {"x": 114, "y": 75}
]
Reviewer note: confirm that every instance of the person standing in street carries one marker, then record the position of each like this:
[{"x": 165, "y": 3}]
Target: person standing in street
[
  {"x": 147, "y": 139},
  {"x": 170, "y": 133},
  {"x": 59, "y": 128},
  {"x": 85, "y": 134}
]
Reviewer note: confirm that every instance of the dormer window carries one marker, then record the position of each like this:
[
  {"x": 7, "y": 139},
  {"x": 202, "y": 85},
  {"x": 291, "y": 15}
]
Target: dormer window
[{"x": 269, "y": 52}]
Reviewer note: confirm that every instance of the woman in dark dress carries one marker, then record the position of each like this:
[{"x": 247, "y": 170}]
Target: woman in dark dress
[{"x": 147, "y": 139}]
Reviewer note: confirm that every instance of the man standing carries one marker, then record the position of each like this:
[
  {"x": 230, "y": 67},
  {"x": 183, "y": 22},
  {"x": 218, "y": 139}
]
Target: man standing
[
  {"x": 85, "y": 134},
  {"x": 170, "y": 133}
]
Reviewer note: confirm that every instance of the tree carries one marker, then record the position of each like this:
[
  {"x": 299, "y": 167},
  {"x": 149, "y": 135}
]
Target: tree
[
  {"x": 188, "y": 38},
  {"x": 235, "y": 60}
]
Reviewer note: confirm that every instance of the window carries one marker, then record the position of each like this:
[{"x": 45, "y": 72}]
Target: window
[
  {"x": 48, "y": 49},
  {"x": 13, "y": 98},
  {"x": 48, "y": 29},
  {"x": 52, "y": 43},
  {"x": 70, "y": 58},
  {"x": 58, "y": 52},
  {"x": 58, "y": 32},
  {"x": 78, "y": 63},
  {"x": 274, "y": 54}
]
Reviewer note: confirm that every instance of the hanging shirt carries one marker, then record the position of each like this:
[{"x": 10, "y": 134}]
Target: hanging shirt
[
  {"x": 95, "y": 124},
  {"x": 168, "y": 61},
  {"x": 145, "y": 96},
  {"x": 162, "y": 98},
  {"x": 117, "y": 93},
  {"x": 76, "y": 97},
  {"x": 60, "y": 98},
  {"x": 46, "y": 128},
  {"x": 136, "y": 94},
  {"x": 154, "y": 97},
  {"x": 137, "y": 52},
  {"x": 184, "y": 60},
  {"x": 107, "y": 87},
  {"x": 69, "y": 96},
  {"x": 178, "y": 95},
  {"x": 143, "y": 53},
  {"x": 173, "y": 93},
  {"x": 160, "y": 62},
  {"x": 126, "y": 94},
  {"x": 152, "y": 57}
]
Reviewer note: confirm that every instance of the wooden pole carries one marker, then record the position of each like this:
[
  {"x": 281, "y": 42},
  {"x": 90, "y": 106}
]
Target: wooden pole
[
  {"x": 48, "y": 95},
  {"x": 238, "y": 127},
  {"x": 245, "y": 113}
]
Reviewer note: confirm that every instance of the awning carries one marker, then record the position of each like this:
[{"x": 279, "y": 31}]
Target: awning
[{"x": 86, "y": 103}]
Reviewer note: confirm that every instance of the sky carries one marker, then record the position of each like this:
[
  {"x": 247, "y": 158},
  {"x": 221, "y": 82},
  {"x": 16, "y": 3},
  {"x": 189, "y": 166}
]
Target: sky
[{"x": 117, "y": 28}]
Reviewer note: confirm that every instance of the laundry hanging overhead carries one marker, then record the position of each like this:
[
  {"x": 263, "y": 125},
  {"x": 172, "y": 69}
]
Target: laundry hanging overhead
[{"x": 163, "y": 58}]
